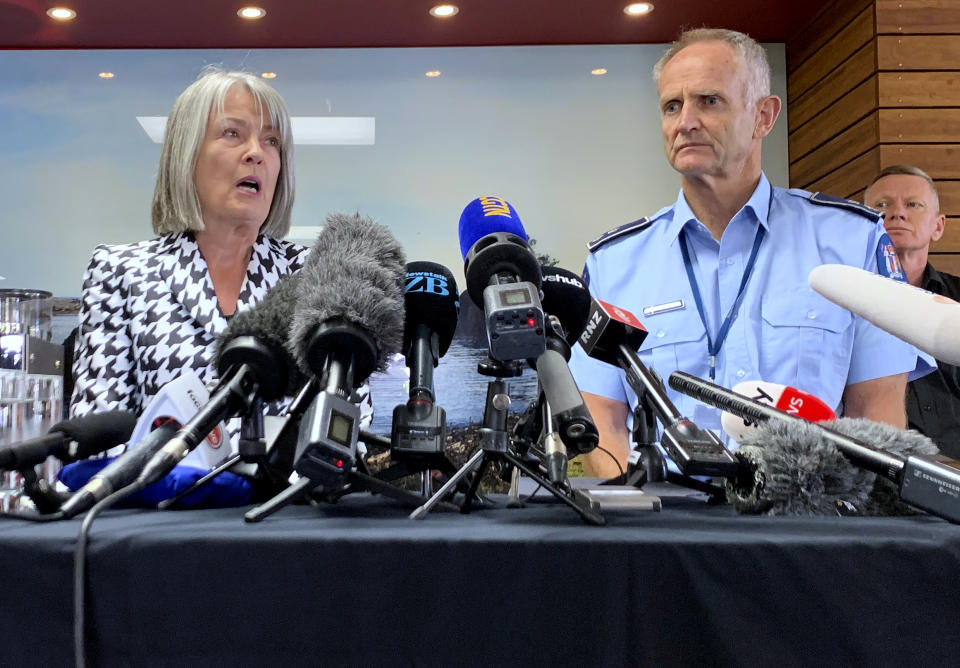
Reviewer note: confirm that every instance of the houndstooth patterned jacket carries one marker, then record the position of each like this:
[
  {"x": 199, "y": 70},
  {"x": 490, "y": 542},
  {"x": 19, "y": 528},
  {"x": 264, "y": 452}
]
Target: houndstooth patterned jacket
[{"x": 149, "y": 311}]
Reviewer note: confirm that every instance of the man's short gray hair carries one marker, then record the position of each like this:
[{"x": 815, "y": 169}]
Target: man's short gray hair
[
  {"x": 752, "y": 56},
  {"x": 176, "y": 206},
  {"x": 909, "y": 170}
]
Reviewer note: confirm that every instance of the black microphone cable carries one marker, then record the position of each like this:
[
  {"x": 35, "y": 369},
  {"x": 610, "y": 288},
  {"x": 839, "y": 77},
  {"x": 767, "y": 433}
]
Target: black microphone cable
[{"x": 80, "y": 570}]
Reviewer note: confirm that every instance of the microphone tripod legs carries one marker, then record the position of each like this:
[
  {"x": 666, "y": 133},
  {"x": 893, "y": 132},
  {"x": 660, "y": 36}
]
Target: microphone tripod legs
[
  {"x": 513, "y": 500},
  {"x": 448, "y": 486},
  {"x": 281, "y": 500},
  {"x": 426, "y": 483},
  {"x": 173, "y": 500}
]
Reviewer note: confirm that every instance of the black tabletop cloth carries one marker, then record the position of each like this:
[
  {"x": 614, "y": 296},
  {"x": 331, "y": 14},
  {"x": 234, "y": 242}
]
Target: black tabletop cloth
[{"x": 359, "y": 584}]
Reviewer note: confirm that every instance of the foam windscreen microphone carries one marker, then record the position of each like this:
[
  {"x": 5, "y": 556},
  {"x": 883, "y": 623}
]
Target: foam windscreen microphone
[
  {"x": 503, "y": 278},
  {"x": 930, "y": 482},
  {"x": 432, "y": 308},
  {"x": 928, "y": 321},
  {"x": 565, "y": 296},
  {"x": 430, "y": 300},
  {"x": 70, "y": 440},
  {"x": 566, "y": 305},
  {"x": 494, "y": 247},
  {"x": 783, "y": 397},
  {"x": 253, "y": 363},
  {"x": 488, "y": 215},
  {"x": 789, "y": 468},
  {"x": 268, "y": 325},
  {"x": 347, "y": 322},
  {"x": 350, "y": 299}
]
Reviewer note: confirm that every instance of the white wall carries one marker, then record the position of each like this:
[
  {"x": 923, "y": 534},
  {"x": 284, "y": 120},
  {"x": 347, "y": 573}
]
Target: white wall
[{"x": 574, "y": 153}]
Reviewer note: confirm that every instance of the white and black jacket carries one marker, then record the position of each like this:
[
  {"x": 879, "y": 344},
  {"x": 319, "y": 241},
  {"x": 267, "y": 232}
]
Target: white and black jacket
[{"x": 149, "y": 312}]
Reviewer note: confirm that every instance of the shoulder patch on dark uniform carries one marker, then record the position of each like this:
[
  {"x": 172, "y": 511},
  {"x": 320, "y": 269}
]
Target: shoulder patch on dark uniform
[
  {"x": 617, "y": 232},
  {"x": 848, "y": 204}
]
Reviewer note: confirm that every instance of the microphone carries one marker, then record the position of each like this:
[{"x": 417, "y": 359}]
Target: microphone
[
  {"x": 566, "y": 303},
  {"x": 503, "y": 277},
  {"x": 172, "y": 406},
  {"x": 930, "y": 482},
  {"x": 925, "y": 320},
  {"x": 612, "y": 335},
  {"x": 252, "y": 362},
  {"x": 178, "y": 401},
  {"x": 347, "y": 321},
  {"x": 782, "y": 397},
  {"x": 790, "y": 469},
  {"x": 70, "y": 440},
  {"x": 432, "y": 308},
  {"x": 120, "y": 472},
  {"x": 566, "y": 297}
]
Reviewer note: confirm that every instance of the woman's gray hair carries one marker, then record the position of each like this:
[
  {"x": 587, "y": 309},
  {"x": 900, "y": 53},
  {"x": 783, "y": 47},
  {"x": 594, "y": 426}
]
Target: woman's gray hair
[
  {"x": 176, "y": 206},
  {"x": 751, "y": 54}
]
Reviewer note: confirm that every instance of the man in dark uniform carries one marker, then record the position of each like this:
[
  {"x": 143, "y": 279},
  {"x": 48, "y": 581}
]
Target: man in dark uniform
[{"x": 908, "y": 198}]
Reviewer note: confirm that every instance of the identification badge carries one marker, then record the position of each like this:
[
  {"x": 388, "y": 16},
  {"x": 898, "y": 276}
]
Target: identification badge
[{"x": 675, "y": 305}]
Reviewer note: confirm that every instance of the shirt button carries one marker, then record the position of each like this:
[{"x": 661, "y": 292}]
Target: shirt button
[
  {"x": 660, "y": 334},
  {"x": 729, "y": 260},
  {"x": 811, "y": 314},
  {"x": 741, "y": 373},
  {"x": 927, "y": 408}
]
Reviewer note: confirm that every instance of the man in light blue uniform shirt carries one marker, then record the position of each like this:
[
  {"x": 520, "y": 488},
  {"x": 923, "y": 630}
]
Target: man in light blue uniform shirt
[{"x": 743, "y": 250}]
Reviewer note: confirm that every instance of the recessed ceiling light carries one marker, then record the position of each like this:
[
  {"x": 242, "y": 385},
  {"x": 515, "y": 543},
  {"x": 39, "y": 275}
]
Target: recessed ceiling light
[
  {"x": 444, "y": 11},
  {"x": 599, "y": 71},
  {"x": 432, "y": 73},
  {"x": 251, "y": 13},
  {"x": 638, "y": 8},
  {"x": 106, "y": 75},
  {"x": 61, "y": 13},
  {"x": 269, "y": 75}
]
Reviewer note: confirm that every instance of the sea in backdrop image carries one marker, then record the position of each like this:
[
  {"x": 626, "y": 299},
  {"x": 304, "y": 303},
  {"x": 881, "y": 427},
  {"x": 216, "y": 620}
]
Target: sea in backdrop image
[{"x": 460, "y": 389}]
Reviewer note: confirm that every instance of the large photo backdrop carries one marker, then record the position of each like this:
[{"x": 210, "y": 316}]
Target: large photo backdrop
[{"x": 575, "y": 153}]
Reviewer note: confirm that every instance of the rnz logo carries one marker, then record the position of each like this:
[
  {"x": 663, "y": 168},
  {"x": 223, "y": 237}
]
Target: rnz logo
[{"x": 425, "y": 281}]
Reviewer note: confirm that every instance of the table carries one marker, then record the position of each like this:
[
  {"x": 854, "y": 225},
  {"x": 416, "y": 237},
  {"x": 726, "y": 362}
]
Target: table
[{"x": 357, "y": 583}]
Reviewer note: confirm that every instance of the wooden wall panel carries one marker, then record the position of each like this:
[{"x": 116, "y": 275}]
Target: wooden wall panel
[
  {"x": 918, "y": 16},
  {"x": 832, "y": 55},
  {"x": 919, "y": 125},
  {"x": 919, "y": 89},
  {"x": 947, "y": 263},
  {"x": 849, "y": 179},
  {"x": 825, "y": 25},
  {"x": 949, "y": 192},
  {"x": 918, "y": 52},
  {"x": 950, "y": 241},
  {"x": 847, "y": 110},
  {"x": 940, "y": 161},
  {"x": 854, "y": 141},
  {"x": 853, "y": 72},
  {"x": 843, "y": 128}
]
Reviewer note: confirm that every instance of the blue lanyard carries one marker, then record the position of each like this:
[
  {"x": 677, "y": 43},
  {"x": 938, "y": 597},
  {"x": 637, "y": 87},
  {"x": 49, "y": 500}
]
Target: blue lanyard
[{"x": 713, "y": 347}]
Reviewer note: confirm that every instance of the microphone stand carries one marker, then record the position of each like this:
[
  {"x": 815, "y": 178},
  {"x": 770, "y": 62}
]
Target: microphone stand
[
  {"x": 274, "y": 462},
  {"x": 650, "y": 465},
  {"x": 495, "y": 447}
]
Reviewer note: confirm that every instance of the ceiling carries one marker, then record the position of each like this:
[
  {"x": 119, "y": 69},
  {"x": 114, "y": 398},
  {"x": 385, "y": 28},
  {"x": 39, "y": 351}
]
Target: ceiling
[{"x": 137, "y": 24}]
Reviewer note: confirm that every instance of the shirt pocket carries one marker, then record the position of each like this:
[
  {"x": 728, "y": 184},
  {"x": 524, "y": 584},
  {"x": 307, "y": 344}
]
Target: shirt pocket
[
  {"x": 806, "y": 341},
  {"x": 675, "y": 340}
]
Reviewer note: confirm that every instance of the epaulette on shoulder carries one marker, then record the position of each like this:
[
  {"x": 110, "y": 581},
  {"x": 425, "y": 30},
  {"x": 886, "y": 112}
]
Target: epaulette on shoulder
[
  {"x": 829, "y": 200},
  {"x": 617, "y": 232}
]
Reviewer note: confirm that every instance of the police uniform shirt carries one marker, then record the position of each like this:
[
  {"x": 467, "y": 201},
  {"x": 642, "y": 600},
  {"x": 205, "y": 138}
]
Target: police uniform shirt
[{"x": 783, "y": 332}]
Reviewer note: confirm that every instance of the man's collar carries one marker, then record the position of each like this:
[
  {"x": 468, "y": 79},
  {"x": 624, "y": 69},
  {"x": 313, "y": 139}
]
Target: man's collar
[{"x": 759, "y": 204}]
